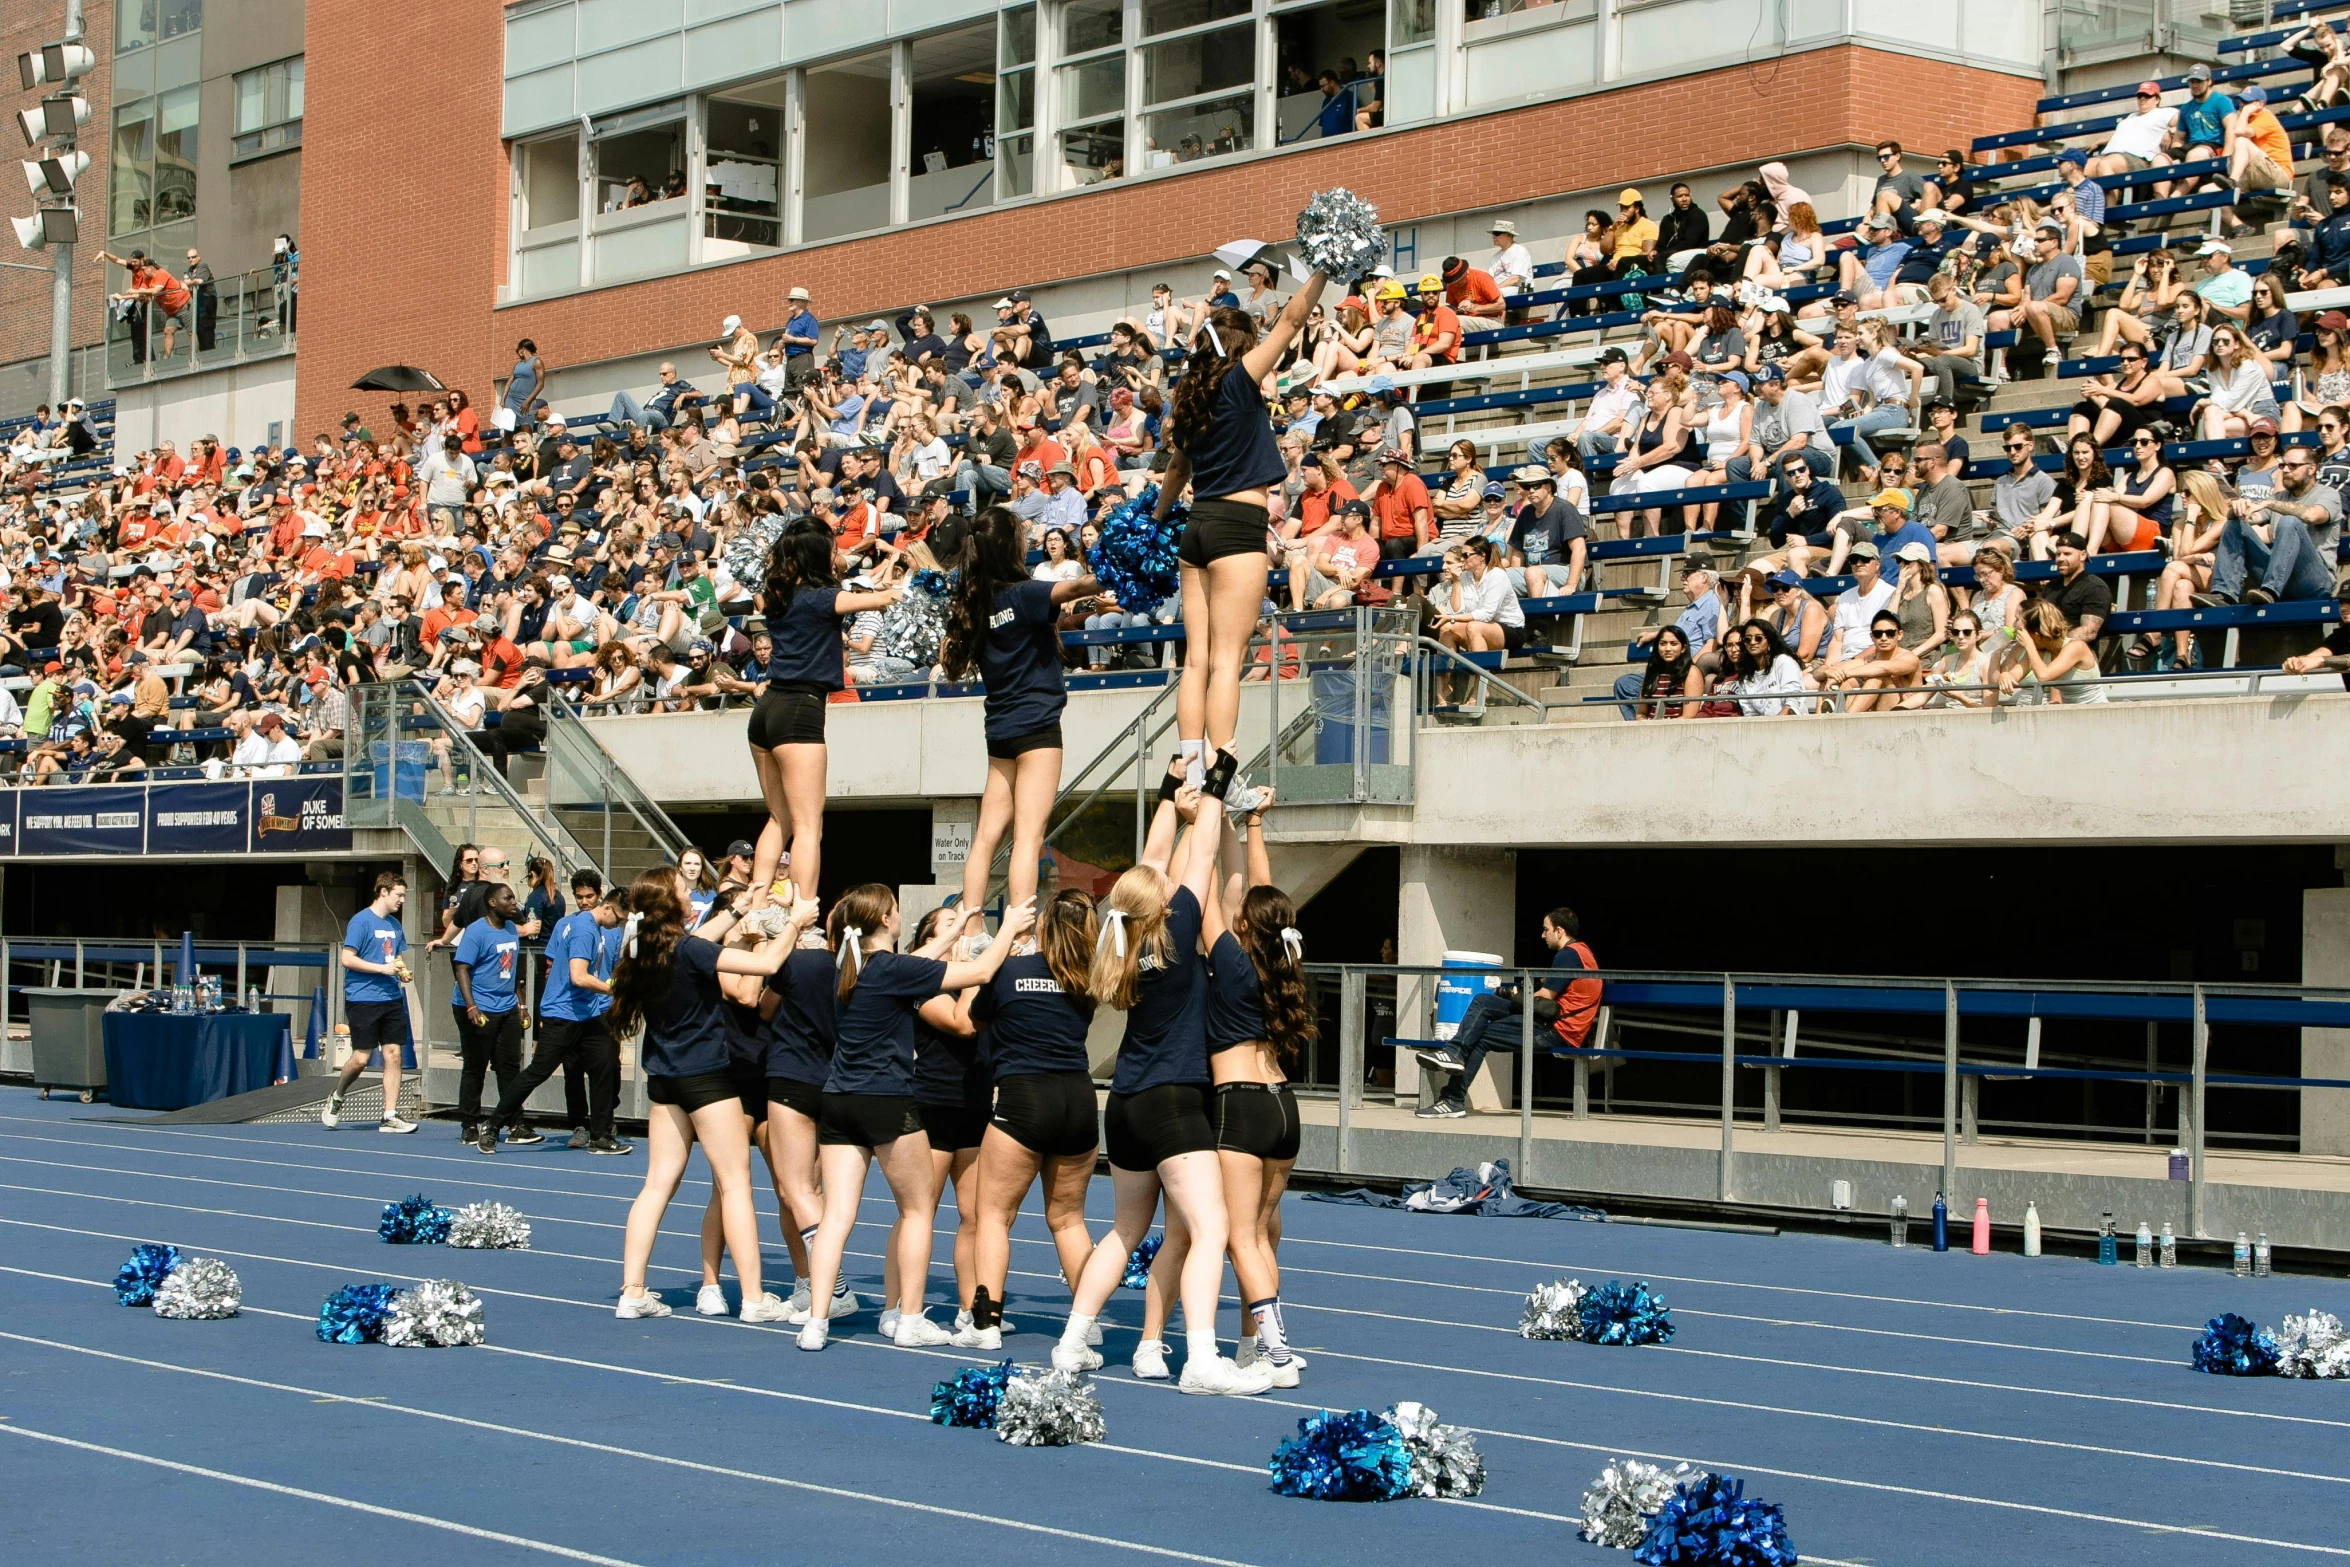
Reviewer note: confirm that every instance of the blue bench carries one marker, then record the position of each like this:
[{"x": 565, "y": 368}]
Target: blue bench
[
  {"x": 1487, "y": 402},
  {"x": 2245, "y": 43},
  {"x": 2231, "y": 618},
  {"x": 2122, "y": 91}
]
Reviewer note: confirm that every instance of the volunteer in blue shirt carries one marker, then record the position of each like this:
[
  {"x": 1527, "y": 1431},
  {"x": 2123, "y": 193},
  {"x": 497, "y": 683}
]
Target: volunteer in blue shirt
[
  {"x": 375, "y": 999},
  {"x": 489, "y": 1021},
  {"x": 1005, "y": 625},
  {"x": 667, "y": 981},
  {"x": 869, "y": 1110},
  {"x": 581, "y": 951},
  {"x": 804, "y": 606}
]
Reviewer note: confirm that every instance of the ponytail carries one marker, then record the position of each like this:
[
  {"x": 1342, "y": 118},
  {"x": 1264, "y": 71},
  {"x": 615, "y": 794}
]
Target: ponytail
[
  {"x": 653, "y": 926},
  {"x": 1232, "y": 333},
  {"x": 856, "y": 919},
  {"x": 1133, "y": 926},
  {"x": 1267, "y": 931},
  {"x": 1066, "y": 934}
]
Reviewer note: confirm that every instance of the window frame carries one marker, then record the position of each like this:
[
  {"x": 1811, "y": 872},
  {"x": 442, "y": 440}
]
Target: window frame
[{"x": 288, "y": 126}]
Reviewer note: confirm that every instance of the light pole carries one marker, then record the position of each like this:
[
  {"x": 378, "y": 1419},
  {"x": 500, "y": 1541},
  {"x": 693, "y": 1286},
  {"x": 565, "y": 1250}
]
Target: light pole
[{"x": 61, "y": 283}]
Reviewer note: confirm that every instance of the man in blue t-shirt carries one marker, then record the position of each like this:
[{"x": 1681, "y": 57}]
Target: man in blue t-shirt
[
  {"x": 375, "y": 999},
  {"x": 582, "y": 951},
  {"x": 488, "y": 962},
  {"x": 799, "y": 340}
]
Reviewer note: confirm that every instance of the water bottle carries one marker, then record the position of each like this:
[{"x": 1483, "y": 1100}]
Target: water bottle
[
  {"x": 1981, "y": 1245},
  {"x": 2031, "y": 1230},
  {"x": 2106, "y": 1257},
  {"x": 2145, "y": 1245},
  {"x": 2241, "y": 1265},
  {"x": 2169, "y": 1256},
  {"x": 2261, "y": 1256},
  {"x": 1941, "y": 1223},
  {"x": 1900, "y": 1222}
]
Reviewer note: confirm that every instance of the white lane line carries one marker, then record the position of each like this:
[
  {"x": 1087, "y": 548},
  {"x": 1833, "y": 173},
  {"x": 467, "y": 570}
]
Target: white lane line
[
  {"x": 321, "y": 1497},
  {"x": 615, "y": 1451}
]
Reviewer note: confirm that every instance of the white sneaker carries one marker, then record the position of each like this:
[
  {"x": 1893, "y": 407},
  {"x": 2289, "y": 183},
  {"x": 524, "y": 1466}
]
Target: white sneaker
[
  {"x": 646, "y": 1305},
  {"x": 332, "y": 1113},
  {"x": 393, "y": 1124},
  {"x": 889, "y": 1321},
  {"x": 844, "y": 1303},
  {"x": 962, "y": 1320},
  {"x": 710, "y": 1301},
  {"x": 970, "y": 1337},
  {"x": 919, "y": 1332},
  {"x": 1284, "y": 1374},
  {"x": 1074, "y": 1357},
  {"x": 813, "y": 1335},
  {"x": 768, "y": 1307},
  {"x": 1150, "y": 1360},
  {"x": 1221, "y": 1376}
]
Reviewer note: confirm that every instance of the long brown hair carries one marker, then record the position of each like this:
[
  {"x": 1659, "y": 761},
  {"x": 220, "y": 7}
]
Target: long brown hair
[
  {"x": 1290, "y": 1024},
  {"x": 642, "y": 979},
  {"x": 1140, "y": 898},
  {"x": 1065, "y": 934},
  {"x": 993, "y": 560},
  {"x": 1233, "y": 333},
  {"x": 864, "y": 908}
]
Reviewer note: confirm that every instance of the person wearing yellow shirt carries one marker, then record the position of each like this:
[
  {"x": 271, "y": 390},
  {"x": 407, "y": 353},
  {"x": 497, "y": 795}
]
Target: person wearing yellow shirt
[{"x": 1632, "y": 251}]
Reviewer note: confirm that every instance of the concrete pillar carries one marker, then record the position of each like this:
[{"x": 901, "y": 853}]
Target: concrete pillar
[
  {"x": 309, "y": 913},
  {"x": 2325, "y": 1052},
  {"x": 1458, "y": 900}
]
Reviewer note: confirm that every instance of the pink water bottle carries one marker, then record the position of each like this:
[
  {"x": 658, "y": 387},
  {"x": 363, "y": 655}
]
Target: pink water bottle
[{"x": 1982, "y": 1246}]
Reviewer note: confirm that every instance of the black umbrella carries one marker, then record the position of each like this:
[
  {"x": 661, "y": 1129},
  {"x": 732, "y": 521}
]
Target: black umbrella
[{"x": 398, "y": 378}]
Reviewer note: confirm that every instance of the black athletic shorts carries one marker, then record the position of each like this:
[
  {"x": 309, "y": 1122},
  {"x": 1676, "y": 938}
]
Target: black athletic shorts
[
  {"x": 691, "y": 1093},
  {"x": 750, "y": 1086},
  {"x": 792, "y": 1094},
  {"x": 1144, "y": 1130},
  {"x": 952, "y": 1127},
  {"x": 1513, "y": 637},
  {"x": 1049, "y": 1113},
  {"x": 790, "y": 714},
  {"x": 1257, "y": 1118},
  {"x": 1220, "y": 528},
  {"x": 376, "y": 1024},
  {"x": 1045, "y": 739},
  {"x": 866, "y": 1120}
]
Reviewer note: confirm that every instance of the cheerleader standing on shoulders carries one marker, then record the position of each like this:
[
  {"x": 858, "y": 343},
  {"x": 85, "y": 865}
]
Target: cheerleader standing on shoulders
[
  {"x": 868, "y": 1108},
  {"x": 798, "y": 1006},
  {"x": 804, "y": 607},
  {"x": 1221, "y": 440},
  {"x": 1037, "y": 1012},
  {"x": 667, "y": 980},
  {"x": 1147, "y": 962},
  {"x": 950, "y": 1097},
  {"x": 1006, "y": 626}
]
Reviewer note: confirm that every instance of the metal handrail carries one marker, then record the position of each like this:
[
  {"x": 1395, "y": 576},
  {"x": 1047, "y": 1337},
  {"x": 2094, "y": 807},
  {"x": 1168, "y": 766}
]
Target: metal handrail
[
  {"x": 548, "y": 836},
  {"x": 256, "y": 309},
  {"x": 1827, "y": 698},
  {"x": 612, "y": 781}
]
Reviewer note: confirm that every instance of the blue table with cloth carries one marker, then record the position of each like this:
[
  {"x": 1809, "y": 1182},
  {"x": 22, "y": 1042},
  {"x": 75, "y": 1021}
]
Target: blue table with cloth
[{"x": 167, "y": 1061}]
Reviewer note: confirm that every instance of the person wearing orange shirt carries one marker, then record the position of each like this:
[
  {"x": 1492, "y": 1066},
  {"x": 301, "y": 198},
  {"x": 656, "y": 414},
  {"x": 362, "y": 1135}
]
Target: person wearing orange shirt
[
  {"x": 1436, "y": 336},
  {"x": 2259, "y": 154},
  {"x": 1472, "y": 293},
  {"x": 1401, "y": 514},
  {"x": 1039, "y": 448},
  {"x": 165, "y": 296}
]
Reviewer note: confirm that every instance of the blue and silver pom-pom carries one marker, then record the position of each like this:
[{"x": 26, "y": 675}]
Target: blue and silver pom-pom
[
  {"x": 932, "y": 581},
  {"x": 1042, "y": 1407},
  {"x": 437, "y": 1314},
  {"x": 201, "y": 1289},
  {"x": 135, "y": 1282},
  {"x": 913, "y": 627},
  {"x": 1445, "y": 1460},
  {"x": 1709, "y": 1522},
  {"x": 1138, "y": 1265},
  {"x": 1351, "y": 1457},
  {"x": 1616, "y": 1313},
  {"x": 1134, "y": 558},
  {"x": 414, "y": 1221},
  {"x": 354, "y": 1314},
  {"x": 2233, "y": 1347},
  {"x": 1553, "y": 1311},
  {"x": 2313, "y": 1346},
  {"x": 1627, "y": 1494},
  {"x": 969, "y": 1398},
  {"x": 1339, "y": 236},
  {"x": 746, "y": 553},
  {"x": 489, "y": 1226}
]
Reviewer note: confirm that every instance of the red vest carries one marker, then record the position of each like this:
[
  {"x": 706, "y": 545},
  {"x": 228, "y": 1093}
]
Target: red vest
[{"x": 1579, "y": 1003}]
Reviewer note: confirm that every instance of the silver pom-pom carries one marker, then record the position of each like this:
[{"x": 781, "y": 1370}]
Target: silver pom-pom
[
  {"x": 2311, "y": 1346},
  {"x": 1339, "y": 236},
  {"x": 437, "y": 1314},
  {"x": 202, "y": 1289},
  {"x": 1445, "y": 1461},
  {"x": 1619, "y": 1504},
  {"x": 1551, "y": 1310},
  {"x": 489, "y": 1226},
  {"x": 1047, "y": 1408}
]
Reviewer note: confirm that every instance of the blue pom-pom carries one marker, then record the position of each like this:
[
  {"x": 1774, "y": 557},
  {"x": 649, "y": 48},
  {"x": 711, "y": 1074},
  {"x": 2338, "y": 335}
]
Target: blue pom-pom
[
  {"x": 929, "y": 580},
  {"x": 2233, "y": 1347},
  {"x": 1135, "y": 556},
  {"x": 1614, "y": 1313},
  {"x": 414, "y": 1221},
  {"x": 1708, "y": 1522},
  {"x": 355, "y": 1314},
  {"x": 1352, "y": 1457},
  {"x": 969, "y": 1398},
  {"x": 1138, "y": 1266},
  {"x": 135, "y": 1282}
]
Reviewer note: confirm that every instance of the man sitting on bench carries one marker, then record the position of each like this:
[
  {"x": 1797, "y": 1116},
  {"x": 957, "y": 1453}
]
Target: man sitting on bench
[{"x": 1563, "y": 1004}]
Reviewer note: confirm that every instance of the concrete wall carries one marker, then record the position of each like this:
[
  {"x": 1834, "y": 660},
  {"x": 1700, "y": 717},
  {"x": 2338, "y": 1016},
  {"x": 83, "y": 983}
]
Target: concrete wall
[
  {"x": 238, "y": 403},
  {"x": 2325, "y": 1052}
]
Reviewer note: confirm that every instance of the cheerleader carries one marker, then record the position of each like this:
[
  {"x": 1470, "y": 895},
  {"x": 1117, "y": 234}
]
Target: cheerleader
[
  {"x": 868, "y": 1108},
  {"x": 1147, "y": 963},
  {"x": 1221, "y": 443},
  {"x": 797, "y": 1005},
  {"x": 804, "y": 607},
  {"x": 1006, "y": 626},
  {"x": 1037, "y": 1011},
  {"x": 950, "y": 1097},
  {"x": 667, "y": 980}
]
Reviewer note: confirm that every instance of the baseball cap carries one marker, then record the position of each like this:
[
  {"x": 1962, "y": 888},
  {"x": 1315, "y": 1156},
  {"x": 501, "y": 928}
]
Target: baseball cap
[
  {"x": 741, "y": 849},
  {"x": 1354, "y": 508},
  {"x": 1913, "y": 550},
  {"x": 1776, "y": 304},
  {"x": 2150, "y": 89},
  {"x": 2262, "y": 426},
  {"x": 1876, "y": 220},
  {"x": 1680, "y": 361},
  {"x": 1844, "y": 296},
  {"x": 1614, "y": 356},
  {"x": 2071, "y": 155},
  {"x": 1494, "y": 492},
  {"x": 2334, "y": 321},
  {"x": 1785, "y": 579},
  {"x": 1895, "y": 497},
  {"x": 1738, "y": 376},
  {"x": 124, "y": 697},
  {"x": 1862, "y": 551},
  {"x": 729, "y": 326},
  {"x": 1932, "y": 217},
  {"x": 1002, "y": 304},
  {"x": 53, "y": 668},
  {"x": 1770, "y": 373},
  {"x": 2199, "y": 72},
  {"x": 877, "y": 326},
  {"x": 1033, "y": 470},
  {"x": 1627, "y": 197},
  {"x": 2253, "y": 93},
  {"x": 1381, "y": 385},
  {"x": 1392, "y": 454},
  {"x": 269, "y": 720},
  {"x": 2215, "y": 247}
]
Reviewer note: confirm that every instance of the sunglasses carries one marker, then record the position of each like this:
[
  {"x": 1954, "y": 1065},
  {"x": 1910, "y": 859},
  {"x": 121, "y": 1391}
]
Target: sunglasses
[
  {"x": 1883, "y": 636},
  {"x": 1962, "y": 631},
  {"x": 2144, "y": 440},
  {"x": 2018, "y": 446}
]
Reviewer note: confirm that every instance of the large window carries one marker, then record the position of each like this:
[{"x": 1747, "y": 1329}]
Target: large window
[
  {"x": 951, "y": 118},
  {"x": 548, "y": 172},
  {"x": 845, "y": 164},
  {"x": 152, "y": 174},
  {"x": 1015, "y": 102},
  {"x": 742, "y": 190},
  {"x": 639, "y": 166},
  {"x": 268, "y": 109},
  {"x": 139, "y": 23},
  {"x": 1342, "y": 38},
  {"x": 1092, "y": 88}
]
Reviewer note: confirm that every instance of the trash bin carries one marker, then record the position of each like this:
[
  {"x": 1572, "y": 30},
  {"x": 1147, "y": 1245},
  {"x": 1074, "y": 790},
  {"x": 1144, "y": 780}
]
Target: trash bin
[
  {"x": 1455, "y": 992},
  {"x": 399, "y": 771},
  {"x": 1334, "y": 719},
  {"x": 68, "y": 1038}
]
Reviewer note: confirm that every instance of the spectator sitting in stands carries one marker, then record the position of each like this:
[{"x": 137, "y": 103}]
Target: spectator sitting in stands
[
  {"x": 1436, "y": 338},
  {"x": 2053, "y": 289},
  {"x": 2049, "y": 661},
  {"x": 1547, "y": 539},
  {"x": 2240, "y": 388},
  {"x": 1699, "y": 626},
  {"x": 1656, "y": 457},
  {"x": 1333, "y": 569},
  {"x": 2286, "y": 538},
  {"x": 1900, "y": 194},
  {"x": 2138, "y": 138},
  {"x": 1476, "y": 608},
  {"x": 2200, "y": 518},
  {"x": 1614, "y": 412},
  {"x": 1866, "y": 271},
  {"x": 2259, "y": 153},
  {"x": 1632, "y": 245},
  {"x": 2226, "y": 288},
  {"x": 1655, "y": 690},
  {"x": 1882, "y": 667},
  {"x": 1672, "y": 330},
  {"x": 1563, "y": 1003}
]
